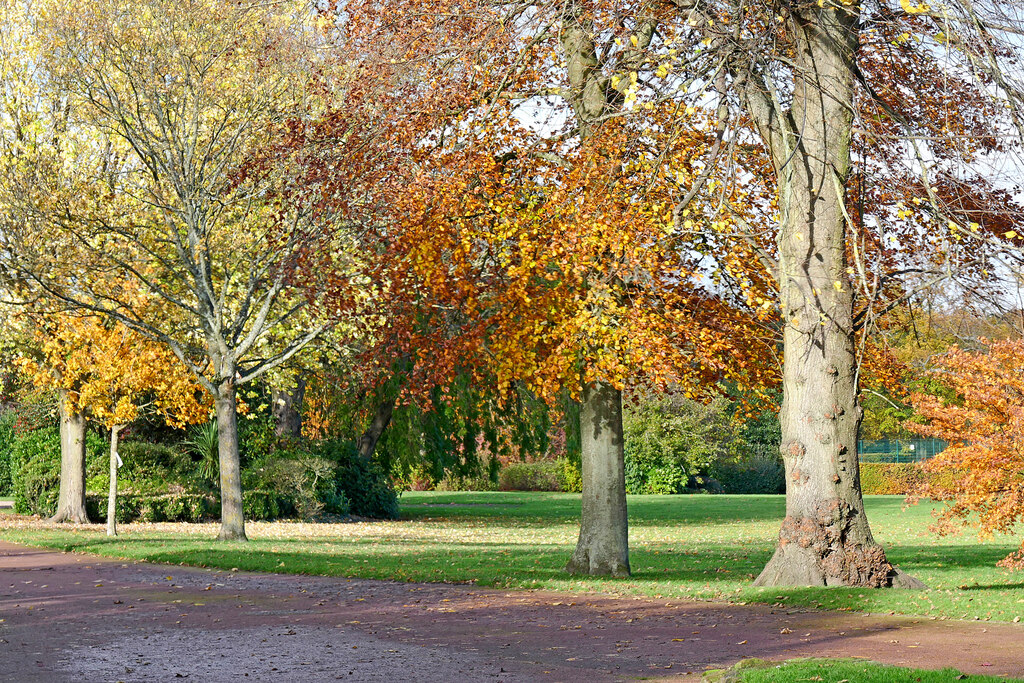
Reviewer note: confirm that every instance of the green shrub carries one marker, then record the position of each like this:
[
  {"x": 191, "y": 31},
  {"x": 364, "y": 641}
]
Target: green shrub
[
  {"x": 306, "y": 481},
  {"x": 150, "y": 461},
  {"x": 35, "y": 457},
  {"x": 478, "y": 482},
  {"x": 7, "y": 420},
  {"x": 267, "y": 505},
  {"x": 171, "y": 507},
  {"x": 147, "y": 468},
  {"x": 545, "y": 475},
  {"x": 571, "y": 476},
  {"x": 37, "y": 483},
  {"x": 364, "y": 484},
  {"x": 890, "y": 478},
  {"x": 666, "y": 479},
  {"x": 203, "y": 444},
  {"x": 759, "y": 473},
  {"x": 671, "y": 439}
]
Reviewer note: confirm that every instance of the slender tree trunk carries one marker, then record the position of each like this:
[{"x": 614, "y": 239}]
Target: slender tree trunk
[
  {"x": 71, "y": 500},
  {"x": 381, "y": 420},
  {"x": 286, "y": 404},
  {"x": 112, "y": 491},
  {"x": 825, "y": 539},
  {"x": 603, "y": 545},
  {"x": 232, "y": 519}
]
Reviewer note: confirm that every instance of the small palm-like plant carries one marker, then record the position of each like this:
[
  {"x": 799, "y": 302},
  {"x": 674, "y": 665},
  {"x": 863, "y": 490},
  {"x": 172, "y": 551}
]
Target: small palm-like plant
[{"x": 205, "y": 444}]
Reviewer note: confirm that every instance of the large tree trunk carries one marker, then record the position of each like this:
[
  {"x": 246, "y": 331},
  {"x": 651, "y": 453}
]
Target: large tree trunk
[
  {"x": 381, "y": 420},
  {"x": 112, "y": 490},
  {"x": 232, "y": 519},
  {"x": 285, "y": 408},
  {"x": 71, "y": 500},
  {"x": 825, "y": 539},
  {"x": 603, "y": 546}
]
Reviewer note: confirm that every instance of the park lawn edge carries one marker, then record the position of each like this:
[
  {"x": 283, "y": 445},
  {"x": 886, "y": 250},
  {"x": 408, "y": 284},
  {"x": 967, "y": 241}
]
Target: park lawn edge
[
  {"x": 968, "y": 586},
  {"x": 756, "y": 670}
]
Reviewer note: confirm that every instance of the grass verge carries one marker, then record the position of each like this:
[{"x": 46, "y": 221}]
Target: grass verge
[
  {"x": 837, "y": 671},
  {"x": 696, "y": 547}
]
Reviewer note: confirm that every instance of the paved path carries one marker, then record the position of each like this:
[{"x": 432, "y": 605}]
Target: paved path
[{"x": 69, "y": 617}]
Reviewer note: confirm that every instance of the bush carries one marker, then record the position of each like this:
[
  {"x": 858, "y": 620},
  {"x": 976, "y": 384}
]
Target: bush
[
  {"x": 267, "y": 505},
  {"x": 890, "y": 478},
  {"x": 363, "y": 483},
  {"x": 671, "y": 440},
  {"x": 545, "y": 475},
  {"x": 154, "y": 462},
  {"x": 147, "y": 468},
  {"x": 37, "y": 482},
  {"x": 571, "y": 476},
  {"x": 7, "y": 420},
  {"x": 755, "y": 474},
  {"x": 477, "y": 482},
  {"x": 666, "y": 479},
  {"x": 304, "y": 483},
  {"x": 171, "y": 507},
  {"x": 35, "y": 459}
]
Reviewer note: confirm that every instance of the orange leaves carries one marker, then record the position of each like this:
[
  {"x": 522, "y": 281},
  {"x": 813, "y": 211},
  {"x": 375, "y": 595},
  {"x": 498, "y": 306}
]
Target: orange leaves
[{"x": 982, "y": 418}]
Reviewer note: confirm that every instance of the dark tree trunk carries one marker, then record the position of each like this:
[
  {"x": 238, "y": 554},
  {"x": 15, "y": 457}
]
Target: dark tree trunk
[
  {"x": 112, "y": 490},
  {"x": 603, "y": 546},
  {"x": 825, "y": 539},
  {"x": 286, "y": 407},
  {"x": 232, "y": 519},
  {"x": 71, "y": 500},
  {"x": 381, "y": 420}
]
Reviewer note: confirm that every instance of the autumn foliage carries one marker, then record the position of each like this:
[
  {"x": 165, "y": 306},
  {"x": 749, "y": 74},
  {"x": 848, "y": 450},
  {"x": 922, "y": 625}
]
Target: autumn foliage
[
  {"x": 984, "y": 425},
  {"x": 107, "y": 372}
]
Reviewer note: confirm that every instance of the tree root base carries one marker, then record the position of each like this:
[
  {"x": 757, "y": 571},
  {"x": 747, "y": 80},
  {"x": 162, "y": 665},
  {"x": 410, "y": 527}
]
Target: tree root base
[
  {"x": 66, "y": 516},
  {"x": 232, "y": 535},
  {"x": 791, "y": 566},
  {"x": 583, "y": 564}
]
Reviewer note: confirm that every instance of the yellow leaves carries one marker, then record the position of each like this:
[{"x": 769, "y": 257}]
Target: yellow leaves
[
  {"x": 104, "y": 368},
  {"x": 1011, "y": 234},
  {"x": 911, "y": 8}
]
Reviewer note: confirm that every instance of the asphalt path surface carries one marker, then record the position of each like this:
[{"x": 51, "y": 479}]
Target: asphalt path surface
[{"x": 73, "y": 617}]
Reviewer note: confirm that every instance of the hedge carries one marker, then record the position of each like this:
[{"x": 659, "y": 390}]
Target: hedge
[
  {"x": 546, "y": 475},
  {"x": 170, "y": 507},
  {"x": 188, "y": 507},
  {"x": 889, "y": 478}
]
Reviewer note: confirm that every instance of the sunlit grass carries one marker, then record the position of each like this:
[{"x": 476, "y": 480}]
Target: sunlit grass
[
  {"x": 703, "y": 547},
  {"x": 846, "y": 670}
]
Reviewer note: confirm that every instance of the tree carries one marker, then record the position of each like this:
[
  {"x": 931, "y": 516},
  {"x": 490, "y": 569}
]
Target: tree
[
  {"x": 797, "y": 76},
  {"x": 838, "y": 221},
  {"x": 167, "y": 172},
  {"x": 980, "y": 474},
  {"x": 542, "y": 257},
  {"x": 106, "y": 373}
]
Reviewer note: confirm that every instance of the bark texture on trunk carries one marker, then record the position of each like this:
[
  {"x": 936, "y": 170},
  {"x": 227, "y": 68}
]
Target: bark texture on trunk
[
  {"x": 603, "y": 545},
  {"x": 381, "y": 420},
  {"x": 825, "y": 539},
  {"x": 232, "y": 518},
  {"x": 286, "y": 405},
  {"x": 71, "y": 500},
  {"x": 112, "y": 490}
]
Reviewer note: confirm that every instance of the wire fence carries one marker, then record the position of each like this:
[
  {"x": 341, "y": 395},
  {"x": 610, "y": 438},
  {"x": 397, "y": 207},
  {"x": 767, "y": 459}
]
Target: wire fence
[{"x": 899, "y": 450}]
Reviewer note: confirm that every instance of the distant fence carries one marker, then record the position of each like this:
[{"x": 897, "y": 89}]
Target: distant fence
[{"x": 899, "y": 450}]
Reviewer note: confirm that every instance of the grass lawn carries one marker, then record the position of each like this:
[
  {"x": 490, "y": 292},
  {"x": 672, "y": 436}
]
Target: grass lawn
[
  {"x": 704, "y": 547},
  {"x": 845, "y": 670}
]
